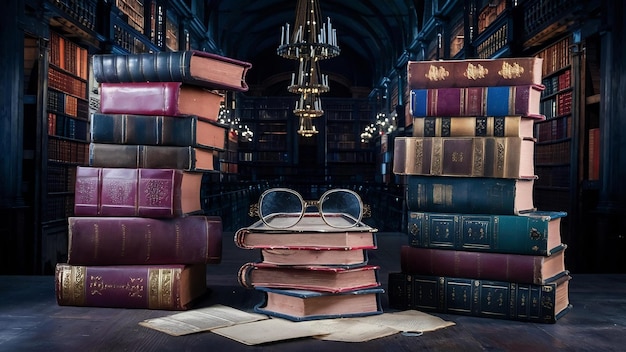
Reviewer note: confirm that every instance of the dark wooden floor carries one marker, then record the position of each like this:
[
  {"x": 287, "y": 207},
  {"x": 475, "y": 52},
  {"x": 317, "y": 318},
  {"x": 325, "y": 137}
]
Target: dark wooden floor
[{"x": 30, "y": 319}]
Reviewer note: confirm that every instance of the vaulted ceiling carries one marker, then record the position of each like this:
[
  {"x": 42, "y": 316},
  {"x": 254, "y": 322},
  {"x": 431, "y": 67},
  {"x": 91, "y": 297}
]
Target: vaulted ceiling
[{"x": 372, "y": 35}]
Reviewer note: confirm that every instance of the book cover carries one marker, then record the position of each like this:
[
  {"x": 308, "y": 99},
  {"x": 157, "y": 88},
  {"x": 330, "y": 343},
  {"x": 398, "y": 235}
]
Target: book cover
[
  {"x": 308, "y": 277},
  {"x": 156, "y": 193},
  {"x": 165, "y": 287},
  {"x": 528, "y": 269},
  {"x": 300, "y": 305},
  {"x": 152, "y": 157},
  {"x": 501, "y": 157},
  {"x": 475, "y": 126},
  {"x": 474, "y": 72},
  {"x": 472, "y": 195},
  {"x": 136, "y": 240},
  {"x": 311, "y": 233},
  {"x": 157, "y": 130},
  {"x": 190, "y": 66},
  {"x": 477, "y": 101},
  {"x": 341, "y": 257},
  {"x": 159, "y": 98},
  {"x": 544, "y": 303},
  {"x": 535, "y": 233}
]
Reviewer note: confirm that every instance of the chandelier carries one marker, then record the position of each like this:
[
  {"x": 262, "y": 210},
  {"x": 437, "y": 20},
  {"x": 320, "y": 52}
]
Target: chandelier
[{"x": 308, "y": 42}]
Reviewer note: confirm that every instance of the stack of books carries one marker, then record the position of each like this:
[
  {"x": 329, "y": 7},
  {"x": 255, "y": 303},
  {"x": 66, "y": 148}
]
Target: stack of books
[
  {"x": 477, "y": 245},
  {"x": 312, "y": 271},
  {"x": 138, "y": 237}
]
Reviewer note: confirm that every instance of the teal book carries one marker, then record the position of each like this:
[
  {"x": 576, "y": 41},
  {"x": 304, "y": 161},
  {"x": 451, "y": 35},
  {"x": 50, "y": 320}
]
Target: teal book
[
  {"x": 545, "y": 303},
  {"x": 534, "y": 233},
  {"x": 471, "y": 195},
  {"x": 301, "y": 305}
]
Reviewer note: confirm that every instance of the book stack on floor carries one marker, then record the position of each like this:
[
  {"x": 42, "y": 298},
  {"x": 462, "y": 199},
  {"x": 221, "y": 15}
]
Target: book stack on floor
[
  {"x": 138, "y": 237},
  {"x": 477, "y": 245},
  {"x": 312, "y": 271}
]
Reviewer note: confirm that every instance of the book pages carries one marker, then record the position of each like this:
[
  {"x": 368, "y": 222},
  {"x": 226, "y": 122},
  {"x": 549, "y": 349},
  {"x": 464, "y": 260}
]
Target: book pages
[{"x": 203, "y": 319}]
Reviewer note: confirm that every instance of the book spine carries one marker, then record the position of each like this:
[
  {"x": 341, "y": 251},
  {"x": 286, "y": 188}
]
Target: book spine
[
  {"x": 474, "y": 73},
  {"x": 142, "y": 156},
  {"x": 467, "y": 264},
  {"x": 473, "y": 297},
  {"x": 476, "y": 101},
  {"x": 473, "y": 195},
  {"x": 134, "y": 286},
  {"x": 473, "y": 126},
  {"x": 128, "y": 192},
  {"x": 143, "y": 129},
  {"x": 143, "y": 67},
  {"x": 143, "y": 98},
  {"x": 512, "y": 234},
  {"x": 501, "y": 157},
  {"x": 139, "y": 240}
]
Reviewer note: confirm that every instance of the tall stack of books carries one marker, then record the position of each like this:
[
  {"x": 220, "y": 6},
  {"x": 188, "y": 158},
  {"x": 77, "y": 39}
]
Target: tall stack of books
[
  {"x": 138, "y": 237},
  {"x": 477, "y": 245},
  {"x": 312, "y": 271}
]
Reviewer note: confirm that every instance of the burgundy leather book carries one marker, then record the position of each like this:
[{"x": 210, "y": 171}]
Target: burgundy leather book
[
  {"x": 526, "y": 269},
  {"x": 194, "y": 67},
  {"x": 159, "y": 98},
  {"x": 474, "y": 72},
  {"x": 157, "y": 193},
  {"x": 167, "y": 287},
  {"x": 134, "y": 240},
  {"x": 477, "y": 101}
]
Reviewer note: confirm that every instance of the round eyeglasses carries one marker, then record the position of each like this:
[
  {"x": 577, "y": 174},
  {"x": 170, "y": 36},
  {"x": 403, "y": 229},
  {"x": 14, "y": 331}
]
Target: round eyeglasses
[{"x": 283, "y": 208}]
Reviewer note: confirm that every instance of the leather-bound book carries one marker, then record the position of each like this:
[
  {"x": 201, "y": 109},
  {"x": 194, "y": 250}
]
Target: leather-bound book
[
  {"x": 157, "y": 130},
  {"x": 165, "y": 287},
  {"x": 535, "y": 233},
  {"x": 152, "y": 156},
  {"x": 527, "y": 269},
  {"x": 545, "y": 303},
  {"x": 502, "y": 157},
  {"x": 320, "y": 277},
  {"x": 474, "y": 72},
  {"x": 475, "y": 126},
  {"x": 159, "y": 98},
  {"x": 341, "y": 257},
  {"x": 135, "y": 240},
  {"x": 472, "y": 195},
  {"x": 157, "y": 193},
  {"x": 477, "y": 101},
  {"x": 191, "y": 67},
  {"x": 301, "y": 305}
]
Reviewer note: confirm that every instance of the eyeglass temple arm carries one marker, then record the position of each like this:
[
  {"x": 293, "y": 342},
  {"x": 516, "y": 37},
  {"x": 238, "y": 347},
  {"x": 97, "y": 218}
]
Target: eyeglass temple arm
[
  {"x": 367, "y": 211},
  {"x": 253, "y": 211}
]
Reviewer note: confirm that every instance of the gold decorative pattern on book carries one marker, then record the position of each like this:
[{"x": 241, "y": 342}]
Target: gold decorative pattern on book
[
  {"x": 160, "y": 291},
  {"x": 509, "y": 71},
  {"x": 437, "y": 73},
  {"x": 475, "y": 72},
  {"x": 437, "y": 164},
  {"x": 479, "y": 159}
]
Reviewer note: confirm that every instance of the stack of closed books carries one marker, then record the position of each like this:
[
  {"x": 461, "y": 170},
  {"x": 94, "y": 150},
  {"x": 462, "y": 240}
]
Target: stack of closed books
[
  {"x": 138, "y": 237},
  {"x": 312, "y": 271},
  {"x": 477, "y": 245}
]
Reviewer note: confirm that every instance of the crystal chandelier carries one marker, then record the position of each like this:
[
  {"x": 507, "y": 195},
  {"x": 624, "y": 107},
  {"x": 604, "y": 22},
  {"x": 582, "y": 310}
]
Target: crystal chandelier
[{"x": 308, "y": 42}]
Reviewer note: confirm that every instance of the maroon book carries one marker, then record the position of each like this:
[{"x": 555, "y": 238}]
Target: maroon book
[
  {"x": 526, "y": 269},
  {"x": 157, "y": 193},
  {"x": 135, "y": 240},
  {"x": 159, "y": 98},
  {"x": 167, "y": 287}
]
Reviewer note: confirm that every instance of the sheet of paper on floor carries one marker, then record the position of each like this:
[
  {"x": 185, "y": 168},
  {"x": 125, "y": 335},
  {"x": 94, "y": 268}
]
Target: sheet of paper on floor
[{"x": 272, "y": 330}]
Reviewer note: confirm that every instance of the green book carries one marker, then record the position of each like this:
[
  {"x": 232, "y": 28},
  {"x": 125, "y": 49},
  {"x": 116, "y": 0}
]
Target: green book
[
  {"x": 534, "y": 233},
  {"x": 481, "y": 298}
]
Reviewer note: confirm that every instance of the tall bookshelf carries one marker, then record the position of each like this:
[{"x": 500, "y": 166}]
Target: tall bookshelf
[{"x": 553, "y": 150}]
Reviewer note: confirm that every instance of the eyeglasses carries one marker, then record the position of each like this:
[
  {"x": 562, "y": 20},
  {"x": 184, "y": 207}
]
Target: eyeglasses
[{"x": 282, "y": 208}]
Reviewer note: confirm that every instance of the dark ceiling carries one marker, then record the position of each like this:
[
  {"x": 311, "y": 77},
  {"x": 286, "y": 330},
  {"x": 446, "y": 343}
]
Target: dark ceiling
[{"x": 372, "y": 35}]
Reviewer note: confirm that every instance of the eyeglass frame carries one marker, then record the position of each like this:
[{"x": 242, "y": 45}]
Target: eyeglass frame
[{"x": 365, "y": 211}]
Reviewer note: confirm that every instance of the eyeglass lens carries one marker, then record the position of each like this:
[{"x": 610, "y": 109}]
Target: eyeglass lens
[
  {"x": 340, "y": 208},
  {"x": 281, "y": 207}
]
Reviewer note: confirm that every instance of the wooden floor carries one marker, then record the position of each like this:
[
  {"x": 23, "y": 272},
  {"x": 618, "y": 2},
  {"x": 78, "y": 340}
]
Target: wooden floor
[{"x": 30, "y": 319}]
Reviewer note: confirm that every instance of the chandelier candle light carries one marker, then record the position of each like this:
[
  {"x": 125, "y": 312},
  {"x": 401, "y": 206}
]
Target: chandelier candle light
[{"x": 308, "y": 42}]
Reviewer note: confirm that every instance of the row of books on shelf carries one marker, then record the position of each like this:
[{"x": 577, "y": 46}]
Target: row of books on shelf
[
  {"x": 476, "y": 243},
  {"x": 138, "y": 236}
]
